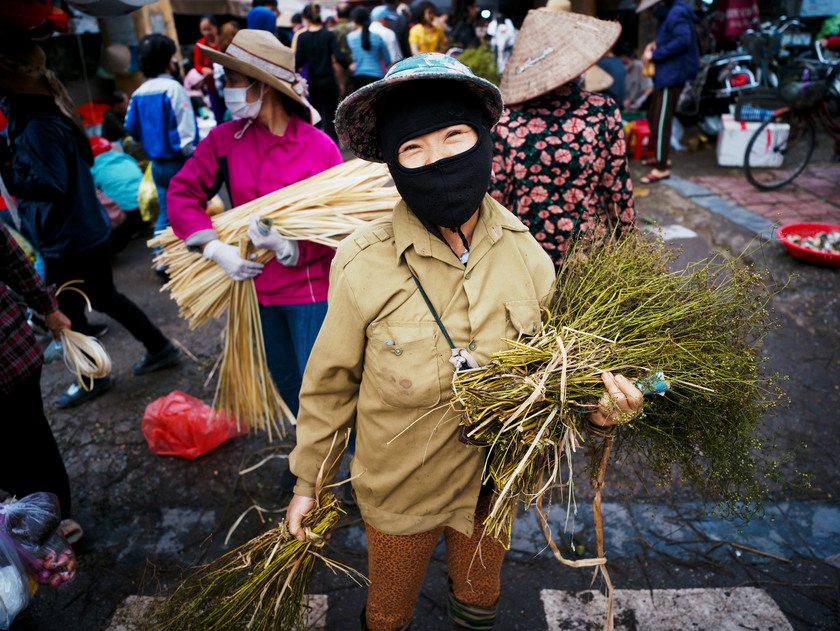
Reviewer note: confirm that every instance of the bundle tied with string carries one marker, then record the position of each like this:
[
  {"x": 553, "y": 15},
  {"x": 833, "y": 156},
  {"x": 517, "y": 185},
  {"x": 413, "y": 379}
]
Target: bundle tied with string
[
  {"x": 692, "y": 337},
  {"x": 84, "y": 355},
  {"x": 324, "y": 208},
  {"x": 262, "y": 584}
]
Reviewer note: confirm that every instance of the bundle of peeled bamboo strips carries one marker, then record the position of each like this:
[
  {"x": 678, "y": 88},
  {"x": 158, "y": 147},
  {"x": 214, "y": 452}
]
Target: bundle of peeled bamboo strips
[
  {"x": 620, "y": 309},
  {"x": 84, "y": 355},
  {"x": 261, "y": 584},
  {"x": 245, "y": 390},
  {"x": 324, "y": 208}
]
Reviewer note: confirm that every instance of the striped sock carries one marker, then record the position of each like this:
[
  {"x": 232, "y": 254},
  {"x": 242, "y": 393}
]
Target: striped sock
[{"x": 470, "y": 617}]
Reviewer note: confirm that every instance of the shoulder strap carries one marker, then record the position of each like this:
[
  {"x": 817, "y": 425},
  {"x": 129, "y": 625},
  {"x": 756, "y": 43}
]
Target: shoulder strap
[{"x": 461, "y": 357}]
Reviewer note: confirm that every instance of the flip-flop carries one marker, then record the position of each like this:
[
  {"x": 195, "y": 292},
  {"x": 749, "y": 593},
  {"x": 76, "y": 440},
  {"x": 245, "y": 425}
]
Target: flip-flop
[
  {"x": 651, "y": 162},
  {"x": 650, "y": 178},
  {"x": 71, "y": 530}
]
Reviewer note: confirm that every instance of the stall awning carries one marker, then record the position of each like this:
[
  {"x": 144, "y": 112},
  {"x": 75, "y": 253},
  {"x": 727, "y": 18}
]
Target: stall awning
[{"x": 238, "y": 8}]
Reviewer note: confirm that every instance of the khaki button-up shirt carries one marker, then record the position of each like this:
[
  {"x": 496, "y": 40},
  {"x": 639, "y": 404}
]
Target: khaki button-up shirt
[{"x": 381, "y": 363}]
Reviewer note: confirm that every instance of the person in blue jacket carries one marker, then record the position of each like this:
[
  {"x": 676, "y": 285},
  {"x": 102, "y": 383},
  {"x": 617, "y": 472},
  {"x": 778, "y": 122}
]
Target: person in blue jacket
[
  {"x": 48, "y": 170},
  {"x": 676, "y": 57},
  {"x": 160, "y": 115}
]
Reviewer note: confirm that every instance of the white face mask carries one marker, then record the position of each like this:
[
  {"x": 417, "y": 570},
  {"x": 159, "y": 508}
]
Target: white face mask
[{"x": 237, "y": 102}]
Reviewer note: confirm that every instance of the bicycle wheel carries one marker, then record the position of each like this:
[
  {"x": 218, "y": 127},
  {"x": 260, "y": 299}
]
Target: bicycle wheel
[
  {"x": 830, "y": 114},
  {"x": 775, "y": 155}
]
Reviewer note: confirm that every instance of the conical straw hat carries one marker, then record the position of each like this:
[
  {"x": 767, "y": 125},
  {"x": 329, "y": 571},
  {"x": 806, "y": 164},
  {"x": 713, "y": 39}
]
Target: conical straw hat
[
  {"x": 552, "y": 48},
  {"x": 596, "y": 79}
]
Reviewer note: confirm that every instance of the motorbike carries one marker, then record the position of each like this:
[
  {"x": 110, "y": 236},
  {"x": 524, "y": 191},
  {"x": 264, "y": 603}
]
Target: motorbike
[{"x": 723, "y": 77}]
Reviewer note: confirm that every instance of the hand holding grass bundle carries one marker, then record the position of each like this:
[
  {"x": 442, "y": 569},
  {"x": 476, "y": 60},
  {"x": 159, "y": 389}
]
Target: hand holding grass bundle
[
  {"x": 619, "y": 309},
  {"x": 84, "y": 355},
  {"x": 245, "y": 390},
  {"x": 324, "y": 209},
  {"x": 261, "y": 584}
]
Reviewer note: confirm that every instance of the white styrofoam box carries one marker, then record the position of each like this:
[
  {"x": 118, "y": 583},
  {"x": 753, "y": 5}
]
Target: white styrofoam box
[{"x": 734, "y": 136}]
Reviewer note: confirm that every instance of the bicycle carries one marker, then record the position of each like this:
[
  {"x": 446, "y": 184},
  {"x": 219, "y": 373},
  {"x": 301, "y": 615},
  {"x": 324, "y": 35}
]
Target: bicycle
[{"x": 782, "y": 146}]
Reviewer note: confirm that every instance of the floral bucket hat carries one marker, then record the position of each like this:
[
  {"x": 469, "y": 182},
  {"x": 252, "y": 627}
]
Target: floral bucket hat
[{"x": 356, "y": 118}]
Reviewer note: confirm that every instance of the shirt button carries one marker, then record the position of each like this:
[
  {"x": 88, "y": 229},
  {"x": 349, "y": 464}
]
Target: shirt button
[
  {"x": 397, "y": 351},
  {"x": 468, "y": 275},
  {"x": 473, "y": 346}
]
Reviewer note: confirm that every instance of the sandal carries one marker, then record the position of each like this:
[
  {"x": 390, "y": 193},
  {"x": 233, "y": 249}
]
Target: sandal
[
  {"x": 71, "y": 530},
  {"x": 650, "y": 178},
  {"x": 650, "y": 162}
]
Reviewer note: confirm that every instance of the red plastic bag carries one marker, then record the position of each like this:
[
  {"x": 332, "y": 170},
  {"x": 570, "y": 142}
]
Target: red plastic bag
[{"x": 181, "y": 425}]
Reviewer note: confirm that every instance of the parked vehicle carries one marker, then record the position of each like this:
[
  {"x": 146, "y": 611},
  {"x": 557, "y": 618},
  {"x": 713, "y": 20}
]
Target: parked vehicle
[
  {"x": 809, "y": 90},
  {"x": 724, "y": 76},
  {"x": 721, "y": 78}
]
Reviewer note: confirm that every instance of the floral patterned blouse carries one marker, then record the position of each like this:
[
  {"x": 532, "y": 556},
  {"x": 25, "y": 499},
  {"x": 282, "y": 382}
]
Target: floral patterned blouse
[{"x": 560, "y": 164}]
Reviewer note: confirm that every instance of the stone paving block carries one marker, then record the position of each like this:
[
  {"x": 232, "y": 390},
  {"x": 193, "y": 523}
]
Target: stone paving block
[
  {"x": 820, "y": 210},
  {"x": 741, "y": 216},
  {"x": 686, "y": 187},
  {"x": 793, "y": 197},
  {"x": 752, "y": 197},
  {"x": 662, "y": 610},
  {"x": 773, "y": 212}
]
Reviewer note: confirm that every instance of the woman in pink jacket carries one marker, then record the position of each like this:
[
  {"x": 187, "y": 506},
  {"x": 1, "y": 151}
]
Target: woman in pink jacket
[{"x": 272, "y": 144}]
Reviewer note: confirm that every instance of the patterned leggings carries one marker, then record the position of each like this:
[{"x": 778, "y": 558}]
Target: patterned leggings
[{"x": 397, "y": 567}]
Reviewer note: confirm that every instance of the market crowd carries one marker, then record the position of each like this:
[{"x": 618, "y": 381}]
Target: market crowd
[{"x": 495, "y": 183}]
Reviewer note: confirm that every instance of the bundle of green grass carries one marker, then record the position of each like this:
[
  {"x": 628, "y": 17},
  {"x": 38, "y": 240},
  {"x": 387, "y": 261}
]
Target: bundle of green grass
[{"x": 691, "y": 337}]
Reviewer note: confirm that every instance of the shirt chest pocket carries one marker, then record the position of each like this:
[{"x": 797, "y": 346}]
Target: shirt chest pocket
[
  {"x": 402, "y": 360},
  {"x": 524, "y": 317}
]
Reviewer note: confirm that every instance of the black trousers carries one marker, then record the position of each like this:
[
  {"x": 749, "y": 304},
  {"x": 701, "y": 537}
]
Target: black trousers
[
  {"x": 324, "y": 97},
  {"x": 31, "y": 461},
  {"x": 94, "y": 268}
]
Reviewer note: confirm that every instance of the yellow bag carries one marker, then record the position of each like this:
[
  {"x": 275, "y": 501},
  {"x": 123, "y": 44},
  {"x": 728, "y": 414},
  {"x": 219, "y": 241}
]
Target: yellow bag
[
  {"x": 648, "y": 69},
  {"x": 147, "y": 197}
]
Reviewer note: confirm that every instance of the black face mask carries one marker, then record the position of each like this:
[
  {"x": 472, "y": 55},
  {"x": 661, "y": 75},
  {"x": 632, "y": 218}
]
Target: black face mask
[{"x": 447, "y": 192}]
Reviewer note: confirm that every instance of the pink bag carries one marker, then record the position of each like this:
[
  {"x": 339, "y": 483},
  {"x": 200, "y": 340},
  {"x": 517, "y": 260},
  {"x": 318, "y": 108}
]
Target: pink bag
[{"x": 181, "y": 425}]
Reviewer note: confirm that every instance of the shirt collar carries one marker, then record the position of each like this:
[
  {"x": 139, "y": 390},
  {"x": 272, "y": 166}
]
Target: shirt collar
[{"x": 493, "y": 220}]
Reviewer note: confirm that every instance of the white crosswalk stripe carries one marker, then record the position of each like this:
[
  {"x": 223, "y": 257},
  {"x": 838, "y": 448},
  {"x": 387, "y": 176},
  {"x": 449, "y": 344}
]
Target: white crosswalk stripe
[
  {"x": 671, "y": 232},
  {"x": 721, "y": 609}
]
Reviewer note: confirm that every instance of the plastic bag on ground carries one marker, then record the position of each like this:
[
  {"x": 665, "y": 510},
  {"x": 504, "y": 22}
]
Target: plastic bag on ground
[
  {"x": 14, "y": 585},
  {"x": 181, "y": 425},
  {"x": 31, "y": 527}
]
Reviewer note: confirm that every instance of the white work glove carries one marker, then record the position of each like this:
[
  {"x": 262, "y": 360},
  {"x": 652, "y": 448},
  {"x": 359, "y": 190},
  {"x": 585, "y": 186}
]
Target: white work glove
[
  {"x": 227, "y": 256},
  {"x": 286, "y": 250}
]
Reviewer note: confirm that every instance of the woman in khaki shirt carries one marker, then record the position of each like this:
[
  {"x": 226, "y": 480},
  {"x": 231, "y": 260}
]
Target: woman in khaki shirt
[{"x": 382, "y": 364}]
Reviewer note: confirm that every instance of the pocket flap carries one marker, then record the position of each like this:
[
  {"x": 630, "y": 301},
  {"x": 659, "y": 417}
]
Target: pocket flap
[{"x": 524, "y": 315}]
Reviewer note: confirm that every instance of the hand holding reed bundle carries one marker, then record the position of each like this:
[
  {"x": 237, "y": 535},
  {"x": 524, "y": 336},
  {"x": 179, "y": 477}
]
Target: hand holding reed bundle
[
  {"x": 260, "y": 585},
  {"x": 84, "y": 355},
  {"x": 619, "y": 309},
  {"x": 324, "y": 209},
  {"x": 245, "y": 390}
]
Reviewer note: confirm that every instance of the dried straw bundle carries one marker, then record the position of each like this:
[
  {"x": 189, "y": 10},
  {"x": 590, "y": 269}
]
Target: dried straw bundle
[
  {"x": 246, "y": 391},
  {"x": 84, "y": 355},
  {"x": 619, "y": 309},
  {"x": 324, "y": 208},
  {"x": 259, "y": 585}
]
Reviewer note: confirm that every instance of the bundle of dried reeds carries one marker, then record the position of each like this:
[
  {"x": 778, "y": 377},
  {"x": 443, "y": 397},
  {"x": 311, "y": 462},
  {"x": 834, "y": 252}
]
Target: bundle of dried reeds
[
  {"x": 619, "y": 309},
  {"x": 259, "y": 585},
  {"x": 84, "y": 355},
  {"x": 245, "y": 390},
  {"x": 324, "y": 208}
]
